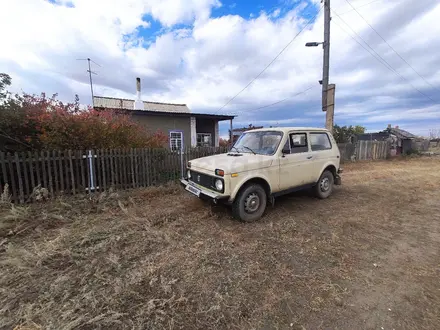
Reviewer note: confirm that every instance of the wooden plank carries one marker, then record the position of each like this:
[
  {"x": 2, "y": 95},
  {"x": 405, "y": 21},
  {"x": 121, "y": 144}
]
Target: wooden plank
[
  {"x": 31, "y": 170},
  {"x": 12, "y": 176},
  {"x": 120, "y": 169},
  {"x": 104, "y": 164},
  {"x": 147, "y": 168},
  {"x": 133, "y": 182},
  {"x": 44, "y": 169},
  {"x": 144, "y": 167},
  {"x": 82, "y": 165},
  {"x": 49, "y": 173},
  {"x": 111, "y": 159},
  {"x": 124, "y": 168},
  {"x": 24, "y": 161},
  {"x": 55, "y": 171},
  {"x": 116, "y": 160},
  {"x": 61, "y": 156},
  {"x": 4, "y": 172},
  {"x": 136, "y": 167},
  {"x": 71, "y": 170},
  {"x": 20, "y": 178},
  {"x": 36, "y": 157},
  {"x": 77, "y": 172}
]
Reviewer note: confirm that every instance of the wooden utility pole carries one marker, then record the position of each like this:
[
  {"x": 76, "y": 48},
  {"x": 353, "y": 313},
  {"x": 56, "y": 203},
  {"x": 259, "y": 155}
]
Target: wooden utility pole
[
  {"x": 330, "y": 107},
  {"x": 327, "y": 105}
]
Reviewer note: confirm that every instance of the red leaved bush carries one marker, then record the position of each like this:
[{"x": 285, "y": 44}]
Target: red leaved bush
[{"x": 51, "y": 124}]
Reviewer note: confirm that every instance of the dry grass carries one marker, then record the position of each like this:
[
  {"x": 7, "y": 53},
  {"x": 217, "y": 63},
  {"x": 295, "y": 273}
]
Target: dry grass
[{"x": 366, "y": 258}]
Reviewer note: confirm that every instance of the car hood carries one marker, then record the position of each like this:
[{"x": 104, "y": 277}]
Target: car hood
[{"x": 232, "y": 162}]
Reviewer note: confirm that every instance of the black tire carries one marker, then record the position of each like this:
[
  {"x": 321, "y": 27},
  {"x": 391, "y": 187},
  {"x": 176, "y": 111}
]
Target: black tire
[
  {"x": 324, "y": 187},
  {"x": 250, "y": 203}
]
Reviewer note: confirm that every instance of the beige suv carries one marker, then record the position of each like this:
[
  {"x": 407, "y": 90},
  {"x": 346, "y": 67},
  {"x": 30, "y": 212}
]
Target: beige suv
[{"x": 264, "y": 164}]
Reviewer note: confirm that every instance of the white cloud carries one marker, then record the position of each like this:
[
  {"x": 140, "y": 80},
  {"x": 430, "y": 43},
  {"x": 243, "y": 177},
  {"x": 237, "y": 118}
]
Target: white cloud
[{"x": 210, "y": 59}]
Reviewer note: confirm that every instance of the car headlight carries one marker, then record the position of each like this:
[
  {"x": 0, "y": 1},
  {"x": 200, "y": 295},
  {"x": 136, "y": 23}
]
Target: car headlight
[
  {"x": 219, "y": 185},
  {"x": 189, "y": 174}
]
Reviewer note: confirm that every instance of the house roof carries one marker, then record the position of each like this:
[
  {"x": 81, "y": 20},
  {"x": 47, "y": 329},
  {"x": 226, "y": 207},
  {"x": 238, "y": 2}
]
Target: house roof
[
  {"x": 243, "y": 129},
  {"x": 400, "y": 133},
  {"x": 127, "y": 104},
  {"x": 154, "y": 108}
]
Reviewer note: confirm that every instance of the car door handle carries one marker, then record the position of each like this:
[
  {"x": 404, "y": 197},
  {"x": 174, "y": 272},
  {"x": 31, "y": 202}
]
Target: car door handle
[{"x": 309, "y": 157}]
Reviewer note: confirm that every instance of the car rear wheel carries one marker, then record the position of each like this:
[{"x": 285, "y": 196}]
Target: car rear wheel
[
  {"x": 250, "y": 203},
  {"x": 324, "y": 187}
]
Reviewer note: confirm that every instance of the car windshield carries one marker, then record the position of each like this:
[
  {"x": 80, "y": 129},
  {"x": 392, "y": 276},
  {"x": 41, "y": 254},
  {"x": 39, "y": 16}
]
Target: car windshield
[{"x": 262, "y": 142}]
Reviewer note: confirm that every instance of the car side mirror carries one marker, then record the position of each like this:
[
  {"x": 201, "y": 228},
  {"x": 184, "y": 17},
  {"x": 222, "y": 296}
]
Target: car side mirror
[{"x": 285, "y": 152}]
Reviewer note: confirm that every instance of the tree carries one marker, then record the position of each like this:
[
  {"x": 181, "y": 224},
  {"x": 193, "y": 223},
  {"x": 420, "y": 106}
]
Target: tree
[
  {"x": 40, "y": 122},
  {"x": 5, "y": 80},
  {"x": 223, "y": 142},
  {"x": 344, "y": 134}
]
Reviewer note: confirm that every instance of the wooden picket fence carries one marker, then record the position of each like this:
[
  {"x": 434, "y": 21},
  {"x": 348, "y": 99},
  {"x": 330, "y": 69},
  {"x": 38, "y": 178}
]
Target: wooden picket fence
[
  {"x": 79, "y": 171},
  {"x": 73, "y": 172},
  {"x": 364, "y": 150}
]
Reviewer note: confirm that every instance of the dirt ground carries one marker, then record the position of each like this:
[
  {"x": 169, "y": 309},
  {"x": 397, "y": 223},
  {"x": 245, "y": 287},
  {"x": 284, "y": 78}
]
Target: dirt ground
[{"x": 366, "y": 258}]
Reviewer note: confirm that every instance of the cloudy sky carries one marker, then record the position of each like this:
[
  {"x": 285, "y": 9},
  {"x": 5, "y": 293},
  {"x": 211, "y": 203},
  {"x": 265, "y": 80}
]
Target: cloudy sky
[{"x": 203, "y": 52}]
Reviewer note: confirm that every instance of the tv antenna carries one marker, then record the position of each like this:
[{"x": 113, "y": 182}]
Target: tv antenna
[{"x": 90, "y": 75}]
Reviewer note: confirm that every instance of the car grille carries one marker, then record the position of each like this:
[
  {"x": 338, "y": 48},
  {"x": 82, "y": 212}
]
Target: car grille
[{"x": 204, "y": 180}]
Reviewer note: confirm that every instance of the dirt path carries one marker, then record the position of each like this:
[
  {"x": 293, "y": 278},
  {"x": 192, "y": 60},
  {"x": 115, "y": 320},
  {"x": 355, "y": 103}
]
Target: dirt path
[{"x": 366, "y": 258}]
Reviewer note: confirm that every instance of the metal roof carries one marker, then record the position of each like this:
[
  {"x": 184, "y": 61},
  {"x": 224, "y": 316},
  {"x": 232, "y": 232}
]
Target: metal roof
[
  {"x": 400, "y": 133},
  {"x": 126, "y": 104}
]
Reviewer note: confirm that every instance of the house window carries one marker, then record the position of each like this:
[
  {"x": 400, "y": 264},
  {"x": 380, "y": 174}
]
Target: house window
[
  {"x": 204, "y": 140},
  {"x": 176, "y": 140}
]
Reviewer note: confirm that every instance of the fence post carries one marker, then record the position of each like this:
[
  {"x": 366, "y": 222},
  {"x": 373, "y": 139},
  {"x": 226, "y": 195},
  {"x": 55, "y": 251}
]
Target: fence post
[
  {"x": 182, "y": 167},
  {"x": 91, "y": 178},
  {"x": 5, "y": 174}
]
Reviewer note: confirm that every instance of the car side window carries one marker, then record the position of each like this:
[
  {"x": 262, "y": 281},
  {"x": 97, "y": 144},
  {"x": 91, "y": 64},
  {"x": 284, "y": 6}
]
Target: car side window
[
  {"x": 320, "y": 141},
  {"x": 298, "y": 143}
]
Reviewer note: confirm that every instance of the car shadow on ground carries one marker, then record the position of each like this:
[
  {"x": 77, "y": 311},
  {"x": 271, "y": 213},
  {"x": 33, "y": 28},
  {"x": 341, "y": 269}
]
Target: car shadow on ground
[{"x": 307, "y": 196}]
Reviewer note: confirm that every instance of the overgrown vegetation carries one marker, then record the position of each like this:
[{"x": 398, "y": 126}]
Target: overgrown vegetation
[
  {"x": 344, "y": 134},
  {"x": 41, "y": 122}
]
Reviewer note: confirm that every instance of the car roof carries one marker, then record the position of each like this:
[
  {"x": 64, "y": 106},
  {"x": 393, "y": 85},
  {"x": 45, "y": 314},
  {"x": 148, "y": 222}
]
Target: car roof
[{"x": 288, "y": 129}]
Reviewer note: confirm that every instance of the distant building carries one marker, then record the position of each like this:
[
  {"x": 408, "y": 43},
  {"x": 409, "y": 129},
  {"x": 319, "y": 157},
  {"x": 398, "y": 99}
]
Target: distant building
[
  {"x": 236, "y": 132},
  {"x": 401, "y": 141},
  {"x": 183, "y": 127}
]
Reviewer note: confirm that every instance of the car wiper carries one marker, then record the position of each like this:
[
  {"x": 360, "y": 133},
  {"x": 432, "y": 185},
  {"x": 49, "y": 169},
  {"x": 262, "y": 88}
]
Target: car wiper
[
  {"x": 250, "y": 149},
  {"x": 235, "y": 149}
]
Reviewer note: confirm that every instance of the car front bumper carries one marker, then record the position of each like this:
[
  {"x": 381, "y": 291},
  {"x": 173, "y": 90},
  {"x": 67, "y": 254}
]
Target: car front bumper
[{"x": 205, "y": 193}]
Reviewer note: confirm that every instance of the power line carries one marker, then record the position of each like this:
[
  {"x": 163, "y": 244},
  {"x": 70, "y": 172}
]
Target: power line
[
  {"x": 271, "y": 62},
  {"x": 380, "y": 59},
  {"x": 275, "y": 103},
  {"x": 391, "y": 46},
  {"x": 366, "y": 4}
]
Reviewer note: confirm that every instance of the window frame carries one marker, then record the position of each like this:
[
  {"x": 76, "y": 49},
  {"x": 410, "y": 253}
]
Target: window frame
[
  {"x": 306, "y": 145},
  {"x": 204, "y": 134},
  {"x": 328, "y": 138},
  {"x": 171, "y": 139}
]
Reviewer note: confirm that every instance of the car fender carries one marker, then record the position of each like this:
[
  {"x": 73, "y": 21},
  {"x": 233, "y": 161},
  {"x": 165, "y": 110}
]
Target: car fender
[
  {"x": 241, "y": 180},
  {"x": 326, "y": 164}
]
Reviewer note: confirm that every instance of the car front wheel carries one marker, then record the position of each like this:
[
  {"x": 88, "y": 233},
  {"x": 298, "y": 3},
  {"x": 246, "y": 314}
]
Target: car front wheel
[
  {"x": 324, "y": 187},
  {"x": 250, "y": 203}
]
